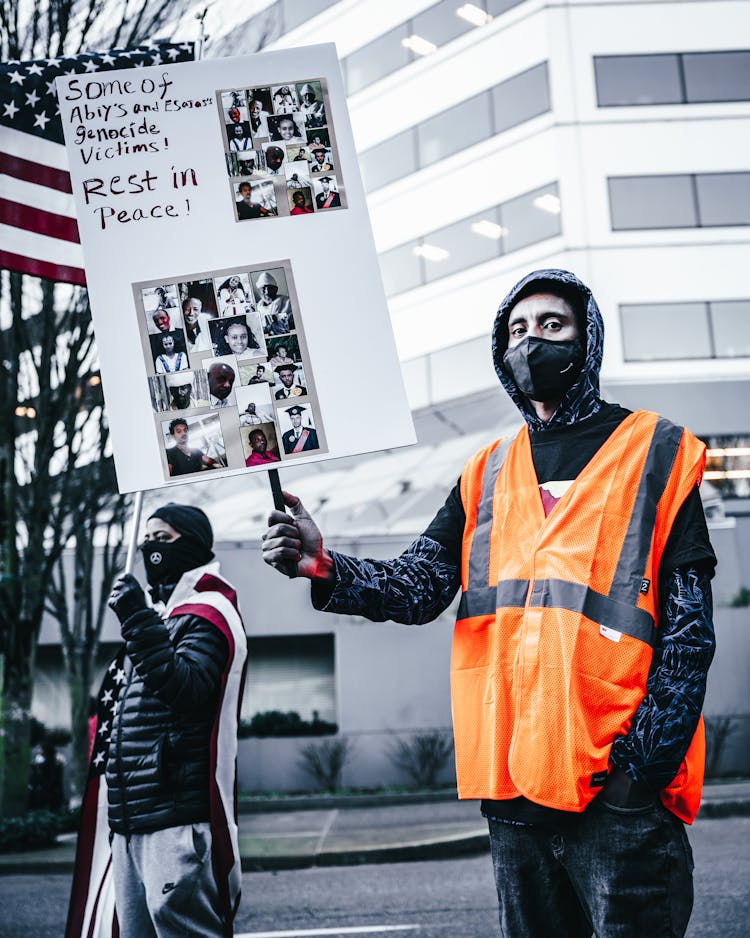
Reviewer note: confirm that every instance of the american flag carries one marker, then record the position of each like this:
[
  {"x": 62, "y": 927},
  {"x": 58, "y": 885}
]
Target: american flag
[
  {"x": 92, "y": 905},
  {"x": 38, "y": 229}
]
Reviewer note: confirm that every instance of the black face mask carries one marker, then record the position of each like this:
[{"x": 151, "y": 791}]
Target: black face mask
[
  {"x": 542, "y": 369},
  {"x": 166, "y": 561}
]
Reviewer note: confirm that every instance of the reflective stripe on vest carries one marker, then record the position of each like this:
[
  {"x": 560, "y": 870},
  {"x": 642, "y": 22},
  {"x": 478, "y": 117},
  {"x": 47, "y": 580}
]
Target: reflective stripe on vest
[{"x": 619, "y": 606}]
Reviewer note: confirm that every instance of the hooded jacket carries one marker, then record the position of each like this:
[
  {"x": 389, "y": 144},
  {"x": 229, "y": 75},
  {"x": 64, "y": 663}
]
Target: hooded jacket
[
  {"x": 419, "y": 585},
  {"x": 581, "y": 401}
]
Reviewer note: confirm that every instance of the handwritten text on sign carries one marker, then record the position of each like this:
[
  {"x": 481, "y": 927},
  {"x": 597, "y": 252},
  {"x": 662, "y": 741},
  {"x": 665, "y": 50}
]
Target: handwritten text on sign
[{"x": 116, "y": 118}]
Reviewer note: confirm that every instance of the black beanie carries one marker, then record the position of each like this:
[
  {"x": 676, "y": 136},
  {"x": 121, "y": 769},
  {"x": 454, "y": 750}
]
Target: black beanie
[{"x": 192, "y": 523}]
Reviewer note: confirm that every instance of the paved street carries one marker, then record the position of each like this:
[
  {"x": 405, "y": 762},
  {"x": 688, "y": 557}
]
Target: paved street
[{"x": 426, "y": 900}]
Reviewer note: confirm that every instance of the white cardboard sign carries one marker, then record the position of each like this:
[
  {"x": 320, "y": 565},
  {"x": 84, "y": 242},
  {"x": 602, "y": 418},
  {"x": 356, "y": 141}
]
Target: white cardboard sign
[{"x": 240, "y": 317}]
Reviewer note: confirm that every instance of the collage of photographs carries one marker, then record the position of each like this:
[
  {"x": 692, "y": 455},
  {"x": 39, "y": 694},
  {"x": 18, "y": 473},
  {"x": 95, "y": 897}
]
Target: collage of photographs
[
  {"x": 280, "y": 150},
  {"x": 229, "y": 375}
]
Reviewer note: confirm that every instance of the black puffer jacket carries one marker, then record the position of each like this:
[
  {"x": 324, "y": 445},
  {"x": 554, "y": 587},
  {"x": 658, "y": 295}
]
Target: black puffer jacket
[{"x": 158, "y": 760}]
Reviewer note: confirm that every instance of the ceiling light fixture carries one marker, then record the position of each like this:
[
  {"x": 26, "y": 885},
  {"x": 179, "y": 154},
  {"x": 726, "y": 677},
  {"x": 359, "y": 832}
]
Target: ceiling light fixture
[
  {"x": 474, "y": 14},
  {"x": 548, "y": 203},
  {"x": 418, "y": 45},
  {"x": 430, "y": 252},
  {"x": 489, "y": 229}
]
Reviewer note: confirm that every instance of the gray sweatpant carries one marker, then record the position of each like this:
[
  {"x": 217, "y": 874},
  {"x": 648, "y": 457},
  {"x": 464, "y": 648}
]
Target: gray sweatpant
[{"x": 164, "y": 884}]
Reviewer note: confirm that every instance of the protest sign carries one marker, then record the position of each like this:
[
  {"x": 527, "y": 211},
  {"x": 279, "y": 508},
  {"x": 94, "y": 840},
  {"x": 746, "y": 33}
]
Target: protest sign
[{"x": 239, "y": 313}]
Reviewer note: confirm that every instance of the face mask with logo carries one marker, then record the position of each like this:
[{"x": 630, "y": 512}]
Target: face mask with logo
[
  {"x": 166, "y": 561},
  {"x": 542, "y": 369}
]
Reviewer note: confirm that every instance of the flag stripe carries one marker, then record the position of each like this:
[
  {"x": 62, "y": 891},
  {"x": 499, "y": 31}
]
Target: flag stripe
[
  {"x": 84, "y": 854},
  {"x": 38, "y": 221},
  {"x": 39, "y": 246},
  {"x": 95, "y": 921},
  {"x": 20, "y": 144},
  {"x": 38, "y": 268},
  {"x": 217, "y": 602},
  {"x": 18, "y": 190},
  {"x": 48, "y": 176}
]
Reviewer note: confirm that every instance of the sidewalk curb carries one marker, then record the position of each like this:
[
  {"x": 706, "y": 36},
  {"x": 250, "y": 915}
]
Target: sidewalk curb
[
  {"x": 739, "y": 807},
  {"x": 248, "y": 805},
  {"x": 443, "y": 849},
  {"x": 36, "y": 867}
]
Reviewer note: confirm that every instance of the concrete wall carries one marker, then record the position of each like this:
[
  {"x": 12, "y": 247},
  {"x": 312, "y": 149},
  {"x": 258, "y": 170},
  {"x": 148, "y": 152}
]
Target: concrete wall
[
  {"x": 276, "y": 764},
  {"x": 727, "y": 705}
]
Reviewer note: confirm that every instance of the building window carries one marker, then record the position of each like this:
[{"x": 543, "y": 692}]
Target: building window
[
  {"x": 717, "y": 76},
  {"x": 520, "y": 98},
  {"x": 461, "y": 245},
  {"x": 637, "y": 79},
  {"x": 401, "y": 269},
  {"x": 439, "y": 24},
  {"x": 421, "y": 35},
  {"x": 679, "y": 201},
  {"x": 297, "y": 12},
  {"x": 728, "y": 465},
  {"x": 723, "y": 198},
  {"x": 652, "y": 202},
  {"x": 496, "y": 7},
  {"x": 659, "y": 331},
  {"x": 291, "y": 673},
  {"x": 458, "y": 128},
  {"x": 664, "y": 331},
  {"x": 480, "y": 117},
  {"x": 527, "y": 219},
  {"x": 378, "y": 58},
  {"x": 675, "y": 78},
  {"x": 730, "y": 328},
  {"x": 389, "y": 160}
]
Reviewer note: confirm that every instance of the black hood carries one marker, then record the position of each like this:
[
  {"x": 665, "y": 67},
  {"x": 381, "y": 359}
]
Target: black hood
[{"x": 582, "y": 400}]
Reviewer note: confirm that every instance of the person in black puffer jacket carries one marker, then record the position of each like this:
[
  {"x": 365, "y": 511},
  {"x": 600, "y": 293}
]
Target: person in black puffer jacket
[{"x": 162, "y": 777}]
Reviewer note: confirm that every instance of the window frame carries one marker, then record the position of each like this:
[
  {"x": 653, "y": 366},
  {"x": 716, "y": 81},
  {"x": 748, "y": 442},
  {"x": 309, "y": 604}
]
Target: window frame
[
  {"x": 712, "y": 353},
  {"x": 693, "y": 180},
  {"x": 685, "y": 97}
]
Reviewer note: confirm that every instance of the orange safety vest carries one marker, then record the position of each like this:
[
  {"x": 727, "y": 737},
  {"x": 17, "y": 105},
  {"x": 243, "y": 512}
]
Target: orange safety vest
[{"x": 558, "y": 615}]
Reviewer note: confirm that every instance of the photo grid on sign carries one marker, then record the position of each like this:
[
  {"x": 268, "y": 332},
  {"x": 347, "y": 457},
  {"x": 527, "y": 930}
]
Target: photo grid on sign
[
  {"x": 280, "y": 150},
  {"x": 229, "y": 375}
]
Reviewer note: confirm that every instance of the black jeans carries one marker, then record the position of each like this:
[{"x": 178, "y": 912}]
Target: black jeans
[{"x": 616, "y": 873}]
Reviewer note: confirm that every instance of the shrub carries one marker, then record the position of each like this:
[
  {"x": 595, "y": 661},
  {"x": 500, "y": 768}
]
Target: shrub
[
  {"x": 277, "y": 723},
  {"x": 423, "y": 756},
  {"x": 29, "y": 832},
  {"x": 741, "y": 598},
  {"x": 325, "y": 762}
]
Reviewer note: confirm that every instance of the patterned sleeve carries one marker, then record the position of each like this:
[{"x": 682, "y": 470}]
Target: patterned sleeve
[
  {"x": 667, "y": 717},
  {"x": 414, "y": 588}
]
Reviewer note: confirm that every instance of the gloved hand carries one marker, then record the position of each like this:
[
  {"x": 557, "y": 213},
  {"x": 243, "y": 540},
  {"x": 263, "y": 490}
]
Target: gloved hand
[{"x": 126, "y": 597}]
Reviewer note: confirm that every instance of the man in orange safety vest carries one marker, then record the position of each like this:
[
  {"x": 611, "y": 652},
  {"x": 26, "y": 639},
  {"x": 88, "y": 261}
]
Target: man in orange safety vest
[{"x": 584, "y": 632}]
